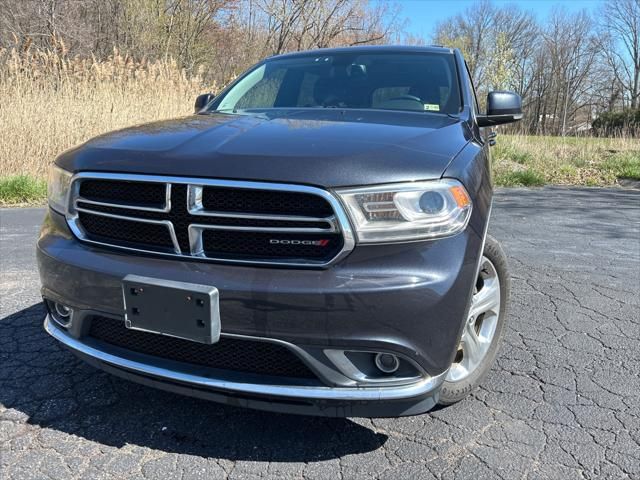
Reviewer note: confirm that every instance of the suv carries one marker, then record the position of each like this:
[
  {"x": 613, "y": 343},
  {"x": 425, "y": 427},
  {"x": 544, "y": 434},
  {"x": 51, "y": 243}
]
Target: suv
[{"x": 312, "y": 240}]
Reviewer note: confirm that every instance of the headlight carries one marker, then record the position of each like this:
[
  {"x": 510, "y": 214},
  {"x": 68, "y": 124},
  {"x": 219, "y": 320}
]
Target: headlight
[
  {"x": 408, "y": 211},
  {"x": 58, "y": 188}
]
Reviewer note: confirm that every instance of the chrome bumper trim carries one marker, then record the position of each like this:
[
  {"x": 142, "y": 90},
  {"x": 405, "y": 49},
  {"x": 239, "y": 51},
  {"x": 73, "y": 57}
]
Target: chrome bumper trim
[{"x": 423, "y": 387}]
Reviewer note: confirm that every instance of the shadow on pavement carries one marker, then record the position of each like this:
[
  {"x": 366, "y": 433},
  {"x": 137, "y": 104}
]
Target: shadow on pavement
[{"x": 57, "y": 391}]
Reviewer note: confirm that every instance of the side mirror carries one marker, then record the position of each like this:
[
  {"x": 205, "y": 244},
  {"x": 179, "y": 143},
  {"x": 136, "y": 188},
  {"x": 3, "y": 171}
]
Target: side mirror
[
  {"x": 502, "y": 107},
  {"x": 202, "y": 101}
]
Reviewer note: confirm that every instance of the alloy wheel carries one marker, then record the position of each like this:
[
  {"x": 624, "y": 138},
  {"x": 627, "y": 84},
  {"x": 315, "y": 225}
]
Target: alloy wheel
[{"x": 481, "y": 323}]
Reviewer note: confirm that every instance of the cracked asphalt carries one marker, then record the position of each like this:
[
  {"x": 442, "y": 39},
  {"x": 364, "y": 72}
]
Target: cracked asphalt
[{"x": 563, "y": 400}]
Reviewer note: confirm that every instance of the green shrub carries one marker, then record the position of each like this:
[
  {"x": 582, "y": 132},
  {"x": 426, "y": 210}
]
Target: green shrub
[{"x": 617, "y": 123}]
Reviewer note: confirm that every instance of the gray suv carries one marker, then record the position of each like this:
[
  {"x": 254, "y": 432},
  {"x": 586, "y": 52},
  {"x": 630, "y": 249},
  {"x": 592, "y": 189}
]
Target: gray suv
[{"x": 312, "y": 240}]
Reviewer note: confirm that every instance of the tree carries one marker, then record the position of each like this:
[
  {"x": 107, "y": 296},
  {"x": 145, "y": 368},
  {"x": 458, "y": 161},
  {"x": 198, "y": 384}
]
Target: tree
[
  {"x": 498, "y": 43},
  {"x": 471, "y": 32},
  {"x": 572, "y": 50},
  {"x": 306, "y": 24},
  {"x": 621, "y": 44}
]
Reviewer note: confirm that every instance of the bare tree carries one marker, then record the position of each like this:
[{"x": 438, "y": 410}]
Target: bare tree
[
  {"x": 304, "y": 24},
  {"x": 471, "y": 32},
  {"x": 571, "y": 48},
  {"x": 552, "y": 66},
  {"x": 621, "y": 44},
  {"x": 567, "y": 67}
]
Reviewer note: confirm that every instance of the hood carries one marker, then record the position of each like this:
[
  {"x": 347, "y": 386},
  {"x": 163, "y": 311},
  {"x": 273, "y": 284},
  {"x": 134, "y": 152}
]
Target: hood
[{"x": 327, "y": 148}]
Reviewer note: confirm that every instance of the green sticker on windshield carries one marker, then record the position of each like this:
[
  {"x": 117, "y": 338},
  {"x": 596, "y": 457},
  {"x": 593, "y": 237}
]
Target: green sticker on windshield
[{"x": 433, "y": 107}]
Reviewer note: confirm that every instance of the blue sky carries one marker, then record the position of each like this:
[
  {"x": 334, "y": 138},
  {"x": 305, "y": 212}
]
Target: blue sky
[{"x": 423, "y": 15}]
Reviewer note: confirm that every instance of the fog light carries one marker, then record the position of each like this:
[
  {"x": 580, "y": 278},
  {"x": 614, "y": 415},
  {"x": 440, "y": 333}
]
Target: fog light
[
  {"x": 60, "y": 313},
  {"x": 62, "y": 310},
  {"x": 387, "y": 363}
]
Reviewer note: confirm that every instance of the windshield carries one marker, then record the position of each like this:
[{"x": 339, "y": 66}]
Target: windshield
[{"x": 420, "y": 82}]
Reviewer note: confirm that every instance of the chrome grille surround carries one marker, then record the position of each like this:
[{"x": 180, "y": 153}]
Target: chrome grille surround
[{"x": 338, "y": 223}]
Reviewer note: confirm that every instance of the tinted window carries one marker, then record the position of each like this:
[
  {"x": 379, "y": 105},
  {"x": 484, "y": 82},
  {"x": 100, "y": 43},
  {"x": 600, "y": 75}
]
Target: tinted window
[{"x": 415, "y": 82}]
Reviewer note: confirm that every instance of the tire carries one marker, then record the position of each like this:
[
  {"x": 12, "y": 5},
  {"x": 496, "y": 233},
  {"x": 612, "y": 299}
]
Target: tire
[{"x": 465, "y": 373}]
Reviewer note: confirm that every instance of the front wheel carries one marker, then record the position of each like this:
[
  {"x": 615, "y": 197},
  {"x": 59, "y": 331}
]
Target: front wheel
[{"x": 484, "y": 327}]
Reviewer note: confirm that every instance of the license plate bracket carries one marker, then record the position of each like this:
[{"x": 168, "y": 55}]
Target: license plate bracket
[{"x": 185, "y": 310}]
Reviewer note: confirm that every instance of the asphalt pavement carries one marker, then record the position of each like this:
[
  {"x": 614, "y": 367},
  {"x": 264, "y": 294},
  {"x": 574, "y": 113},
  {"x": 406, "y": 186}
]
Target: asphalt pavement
[{"x": 563, "y": 400}]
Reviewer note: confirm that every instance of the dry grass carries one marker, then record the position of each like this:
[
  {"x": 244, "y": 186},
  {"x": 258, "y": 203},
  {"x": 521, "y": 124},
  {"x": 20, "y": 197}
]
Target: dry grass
[
  {"x": 51, "y": 102},
  {"x": 539, "y": 160}
]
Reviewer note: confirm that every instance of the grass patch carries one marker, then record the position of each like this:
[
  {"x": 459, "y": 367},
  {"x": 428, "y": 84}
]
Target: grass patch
[
  {"x": 624, "y": 166},
  {"x": 509, "y": 151},
  {"x": 22, "y": 189},
  {"x": 522, "y": 178},
  {"x": 538, "y": 160}
]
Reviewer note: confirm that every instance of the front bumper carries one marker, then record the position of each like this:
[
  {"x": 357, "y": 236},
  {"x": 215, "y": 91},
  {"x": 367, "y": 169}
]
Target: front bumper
[
  {"x": 406, "y": 299},
  {"x": 327, "y": 401}
]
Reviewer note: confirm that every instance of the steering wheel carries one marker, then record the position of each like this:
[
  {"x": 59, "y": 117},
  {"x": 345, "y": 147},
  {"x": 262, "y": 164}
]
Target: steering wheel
[
  {"x": 408, "y": 97},
  {"x": 333, "y": 101}
]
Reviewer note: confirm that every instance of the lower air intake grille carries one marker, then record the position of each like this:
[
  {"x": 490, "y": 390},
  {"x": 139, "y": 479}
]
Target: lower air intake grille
[{"x": 248, "y": 356}]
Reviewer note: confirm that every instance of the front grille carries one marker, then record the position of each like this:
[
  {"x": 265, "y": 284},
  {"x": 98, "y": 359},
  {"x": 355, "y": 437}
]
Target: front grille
[
  {"x": 247, "y": 356},
  {"x": 133, "y": 193},
  {"x": 210, "y": 220},
  {"x": 129, "y": 233},
  {"x": 265, "y": 201}
]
